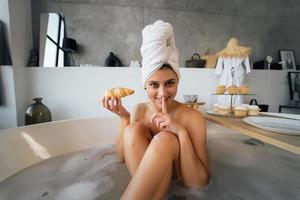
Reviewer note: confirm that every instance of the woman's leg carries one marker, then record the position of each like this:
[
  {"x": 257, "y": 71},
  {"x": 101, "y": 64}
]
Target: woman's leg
[
  {"x": 136, "y": 140},
  {"x": 153, "y": 175}
]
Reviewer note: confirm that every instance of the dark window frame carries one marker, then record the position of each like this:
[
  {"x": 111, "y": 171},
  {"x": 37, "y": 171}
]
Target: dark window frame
[{"x": 56, "y": 43}]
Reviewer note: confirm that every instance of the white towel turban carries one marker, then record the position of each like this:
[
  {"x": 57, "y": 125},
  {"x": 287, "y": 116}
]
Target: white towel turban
[{"x": 158, "y": 48}]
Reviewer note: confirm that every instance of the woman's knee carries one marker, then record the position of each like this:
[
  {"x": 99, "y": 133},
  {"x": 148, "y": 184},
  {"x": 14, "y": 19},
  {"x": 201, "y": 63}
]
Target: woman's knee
[
  {"x": 164, "y": 142},
  {"x": 134, "y": 132}
]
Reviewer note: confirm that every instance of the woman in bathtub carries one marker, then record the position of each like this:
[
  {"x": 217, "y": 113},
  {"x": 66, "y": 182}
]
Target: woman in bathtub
[{"x": 163, "y": 138}]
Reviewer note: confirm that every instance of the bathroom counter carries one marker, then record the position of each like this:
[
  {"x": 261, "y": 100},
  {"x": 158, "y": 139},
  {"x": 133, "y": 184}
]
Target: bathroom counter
[{"x": 290, "y": 143}]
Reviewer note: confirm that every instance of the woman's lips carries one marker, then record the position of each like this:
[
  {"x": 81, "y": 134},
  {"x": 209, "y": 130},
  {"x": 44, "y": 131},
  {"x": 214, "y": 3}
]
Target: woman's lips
[{"x": 159, "y": 100}]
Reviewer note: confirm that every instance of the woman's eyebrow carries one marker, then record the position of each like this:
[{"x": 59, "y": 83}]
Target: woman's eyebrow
[
  {"x": 170, "y": 80},
  {"x": 153, "y": 81},
  {"x": 173, "y": 79}
]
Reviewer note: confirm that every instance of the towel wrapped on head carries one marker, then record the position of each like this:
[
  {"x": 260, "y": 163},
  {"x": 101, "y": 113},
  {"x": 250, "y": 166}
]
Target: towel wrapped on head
[{"x": 158, "y": 48}]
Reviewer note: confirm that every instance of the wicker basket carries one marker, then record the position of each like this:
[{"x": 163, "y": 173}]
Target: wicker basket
[{"x": 195, "y": 62}]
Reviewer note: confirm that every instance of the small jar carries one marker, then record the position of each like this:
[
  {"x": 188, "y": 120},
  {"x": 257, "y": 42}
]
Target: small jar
[{"x": 37, "y": 113}]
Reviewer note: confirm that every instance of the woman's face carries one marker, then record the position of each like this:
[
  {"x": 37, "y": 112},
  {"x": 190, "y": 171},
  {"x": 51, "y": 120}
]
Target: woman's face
[{"x": 162, "y": 83}]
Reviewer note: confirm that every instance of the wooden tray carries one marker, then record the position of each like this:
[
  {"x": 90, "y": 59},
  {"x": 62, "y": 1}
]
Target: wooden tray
[{"x": 211, "y": 112}]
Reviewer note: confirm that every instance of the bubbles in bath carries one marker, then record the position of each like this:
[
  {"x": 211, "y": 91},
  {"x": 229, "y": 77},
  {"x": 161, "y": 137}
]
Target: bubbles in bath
[
  {"x": 79, "y": 191},
  {"x": 82, "y": 175},
  {"x": 239, "y": 171}
]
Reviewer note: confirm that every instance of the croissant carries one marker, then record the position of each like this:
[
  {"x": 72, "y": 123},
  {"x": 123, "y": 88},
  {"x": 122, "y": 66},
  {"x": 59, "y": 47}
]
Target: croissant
[{"x": 118, "y": 92}]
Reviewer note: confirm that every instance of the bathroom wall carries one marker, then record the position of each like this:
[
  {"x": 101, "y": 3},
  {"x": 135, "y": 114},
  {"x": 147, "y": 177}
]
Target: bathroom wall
[
  {"x": 18, "y": 21},
  {"x": 77, "y": 92},
  {"x": 201, "y": 25},
  {"x": 101, "y": 26},
  {"x": 8, "y": 113}
]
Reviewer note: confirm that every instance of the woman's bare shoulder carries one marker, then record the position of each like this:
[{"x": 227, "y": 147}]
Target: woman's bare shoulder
[
  {"x": 190, "y": 115},
  {"x": 194, "y": 122}
]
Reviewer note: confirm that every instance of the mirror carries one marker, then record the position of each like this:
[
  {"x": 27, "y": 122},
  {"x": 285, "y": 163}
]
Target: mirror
[{"x": 52, "y": 34}]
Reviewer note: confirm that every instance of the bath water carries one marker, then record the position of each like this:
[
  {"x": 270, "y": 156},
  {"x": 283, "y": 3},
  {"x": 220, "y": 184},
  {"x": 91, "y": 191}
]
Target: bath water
[{"x": 241, "y": 169}]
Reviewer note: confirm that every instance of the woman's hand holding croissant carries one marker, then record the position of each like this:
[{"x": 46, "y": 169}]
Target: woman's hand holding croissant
[{"x": 114, "y": 104}]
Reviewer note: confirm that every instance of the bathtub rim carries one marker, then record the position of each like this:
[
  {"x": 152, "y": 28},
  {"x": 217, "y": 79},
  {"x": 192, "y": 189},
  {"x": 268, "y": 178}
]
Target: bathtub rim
[
  {"x": 58, "y": 121},
  {"x": 15, "y": 160}
]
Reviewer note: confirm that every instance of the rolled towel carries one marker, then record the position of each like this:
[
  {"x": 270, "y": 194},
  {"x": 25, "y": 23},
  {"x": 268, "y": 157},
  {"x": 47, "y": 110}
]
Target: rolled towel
[{"x": 158, "y": 48}]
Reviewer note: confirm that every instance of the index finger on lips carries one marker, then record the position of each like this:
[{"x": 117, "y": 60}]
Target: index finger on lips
[{"x": 164, "y": 106}]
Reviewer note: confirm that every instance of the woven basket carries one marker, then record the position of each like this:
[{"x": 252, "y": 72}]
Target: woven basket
[{"x": 195, "y": 62}]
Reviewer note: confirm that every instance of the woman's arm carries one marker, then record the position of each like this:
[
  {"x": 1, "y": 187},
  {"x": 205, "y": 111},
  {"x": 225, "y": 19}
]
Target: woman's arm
[
  {"x": 125, "y": 121},
  {"x": 115, "y": 106},
  {"x": 119, "y": 143}
]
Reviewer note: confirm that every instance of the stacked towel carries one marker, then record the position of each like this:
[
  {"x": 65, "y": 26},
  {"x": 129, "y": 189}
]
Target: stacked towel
[{"x": 158, "y": 48}]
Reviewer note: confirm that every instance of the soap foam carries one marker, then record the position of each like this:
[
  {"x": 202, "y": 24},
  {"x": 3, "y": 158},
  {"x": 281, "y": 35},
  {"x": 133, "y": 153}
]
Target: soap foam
[
  {"x": 81, "y": 190},
  {"x": 80, "y": 175},
  {"x": 239, "y": 171}
]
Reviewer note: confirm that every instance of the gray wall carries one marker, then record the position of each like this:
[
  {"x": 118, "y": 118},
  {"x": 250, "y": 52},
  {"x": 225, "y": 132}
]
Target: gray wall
[{"x": 101, "y": 26}]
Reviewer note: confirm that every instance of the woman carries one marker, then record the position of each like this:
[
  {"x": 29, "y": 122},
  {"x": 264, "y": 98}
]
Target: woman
[{"x": 161, "y": 138}]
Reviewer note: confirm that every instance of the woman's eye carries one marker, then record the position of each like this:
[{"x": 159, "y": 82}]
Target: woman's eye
[
  {"x": 170, "y": 83},
  {"x": 155, "y": 85}
]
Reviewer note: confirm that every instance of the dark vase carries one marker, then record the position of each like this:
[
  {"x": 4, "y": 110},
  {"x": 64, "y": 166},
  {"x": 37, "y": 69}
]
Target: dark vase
[
  {"x": 37, "y": 113},
  {"x": 112, "y": 60}
]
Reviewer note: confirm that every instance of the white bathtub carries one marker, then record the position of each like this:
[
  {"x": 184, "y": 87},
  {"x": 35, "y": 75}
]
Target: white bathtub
[
  {"x": 24, "y": 146},
  {"x": 239, "y": 170}
]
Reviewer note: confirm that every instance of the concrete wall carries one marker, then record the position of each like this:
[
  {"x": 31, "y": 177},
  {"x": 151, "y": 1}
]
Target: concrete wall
[
  {"x": 101, "y": 26},
  {"x": 76, "y": 92}
]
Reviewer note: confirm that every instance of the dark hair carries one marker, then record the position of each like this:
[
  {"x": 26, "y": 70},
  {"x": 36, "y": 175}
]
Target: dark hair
[{"x": 166, "y": 66}]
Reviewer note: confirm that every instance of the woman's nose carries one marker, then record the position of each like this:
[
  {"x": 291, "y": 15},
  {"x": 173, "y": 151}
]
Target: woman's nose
[{"x": 162, "y": 91}]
